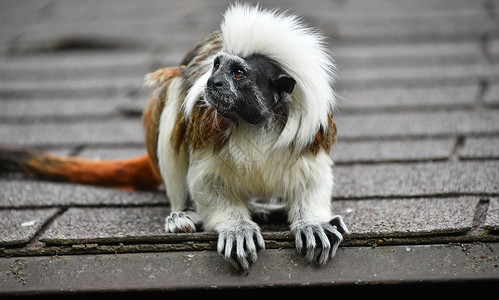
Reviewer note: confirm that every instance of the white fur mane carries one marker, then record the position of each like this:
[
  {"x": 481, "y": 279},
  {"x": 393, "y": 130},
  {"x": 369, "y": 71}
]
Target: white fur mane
[{"x": 298, "y": 49}]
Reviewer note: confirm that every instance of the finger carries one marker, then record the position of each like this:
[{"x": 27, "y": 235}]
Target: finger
[
  {"x": 251, "y": 248},
  {"x": 334, "y": 236},
  {"x": 260, "y": 242},
  {"x": 335, "y": 243},
  {"x": 241, "y": 253},
  {"x": 224, "y": 247},
  {"x": 298, "y": 241},
  {"x": 221, "y": 243},
  {"x": 340, "y": 225},
  {"x": 325, "y": 246},
  {"x": 234, "y": 263},
  {"x": 310, "y": 243},
  {"x": 229, "y": 244},
  {"x": 169, "y": 226}
]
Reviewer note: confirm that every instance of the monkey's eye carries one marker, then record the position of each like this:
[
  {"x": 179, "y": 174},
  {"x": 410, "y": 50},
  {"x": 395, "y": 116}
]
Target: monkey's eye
[
  {"x": 216, "y": 64},
  {"x": 238, "y": 73}
]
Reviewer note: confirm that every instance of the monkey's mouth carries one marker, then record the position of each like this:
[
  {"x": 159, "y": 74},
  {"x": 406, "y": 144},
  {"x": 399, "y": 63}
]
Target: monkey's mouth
[
  {"x": 226, "y": 106},
  {"x": 222, "y": 103}
]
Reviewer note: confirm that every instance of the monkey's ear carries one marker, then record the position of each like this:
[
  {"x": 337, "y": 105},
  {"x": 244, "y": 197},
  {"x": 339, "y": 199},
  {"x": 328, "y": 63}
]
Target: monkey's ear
[{"x": 284, "y": 83}]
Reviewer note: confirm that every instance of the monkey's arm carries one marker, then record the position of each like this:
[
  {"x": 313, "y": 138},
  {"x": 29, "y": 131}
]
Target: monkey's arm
[
  {"x": 317, "y": 232},
  {"x": 222, "y": 210},
  {"x": 239, "y": 238}
]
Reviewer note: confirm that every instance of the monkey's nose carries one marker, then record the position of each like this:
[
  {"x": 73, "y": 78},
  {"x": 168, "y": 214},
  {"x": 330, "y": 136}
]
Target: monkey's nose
[{"x": 216, "y": 81}]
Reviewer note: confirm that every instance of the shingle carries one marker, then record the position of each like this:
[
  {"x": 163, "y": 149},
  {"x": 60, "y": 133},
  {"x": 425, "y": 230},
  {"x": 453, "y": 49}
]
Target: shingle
[
  {"x": 67, "y": 92},
  {"x": 404, "y": 7},
  {"x": 106, "y": 12},
  {"x": 414, "y": 74},
  {"x": 480, "y": 147},
  {"x": 63, "y": 66},
  {"x": 386, "y": 151},
  {"x": 25, "y": 109},
  {"x": 110, "y": 131},
  {"x": 413, "y": 27},
  {"x": 492, "y": 218},
  {"x": 32, "y": 193},
  {"x": 405, "y": 217},
  {"x": 69, "y": 88},
  {"x": 15, "y": 19},
  {"x": 401, "y": 180},
  {"x": 395, "y": 217},
  {"x": 118, "y": 34},
  {"x": 493, "y": 48},
  {"x": 19, "y": 226},
  {"x": 74, "y": 60},
  {"x": 83, "y": 225},
  {"x": 381, "y": 54},
  {"x": 415, "y": 124},
  {"x": 491, "y": 95},
  {"x": 384, "y": 99}
]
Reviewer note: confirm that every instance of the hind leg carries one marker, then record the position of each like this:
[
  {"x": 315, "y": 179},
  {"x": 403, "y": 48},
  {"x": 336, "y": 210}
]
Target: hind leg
[
  {"x": 183, "y": 221},
  {"x": 173, "y": 163},
  {"x": 182, "y": 217}
]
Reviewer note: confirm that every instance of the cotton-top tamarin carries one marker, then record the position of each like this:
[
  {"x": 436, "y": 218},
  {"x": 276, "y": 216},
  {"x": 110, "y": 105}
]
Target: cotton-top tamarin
[{"x": 247, "y": 114}]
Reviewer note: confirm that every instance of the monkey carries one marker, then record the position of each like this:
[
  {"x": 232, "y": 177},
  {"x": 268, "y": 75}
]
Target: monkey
[{"x": 247, "y": 113}]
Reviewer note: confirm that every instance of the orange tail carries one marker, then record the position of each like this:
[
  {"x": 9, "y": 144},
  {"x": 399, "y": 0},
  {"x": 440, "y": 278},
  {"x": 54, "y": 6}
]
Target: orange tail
[{"x": 131, "y": 174}]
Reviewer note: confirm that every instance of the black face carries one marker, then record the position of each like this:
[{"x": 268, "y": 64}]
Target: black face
[{"x": 250, "y": 89}]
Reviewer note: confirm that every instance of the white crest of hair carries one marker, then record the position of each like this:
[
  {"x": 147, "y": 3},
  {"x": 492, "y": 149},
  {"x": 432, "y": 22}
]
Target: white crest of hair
[
  {"x": 197, "y": 88},
  {"x": 302, "y": 53}
]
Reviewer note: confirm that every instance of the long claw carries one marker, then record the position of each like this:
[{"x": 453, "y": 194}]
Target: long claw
[
  {"x": 238, "y": 247},
  {"x": 309, "y": 236}
]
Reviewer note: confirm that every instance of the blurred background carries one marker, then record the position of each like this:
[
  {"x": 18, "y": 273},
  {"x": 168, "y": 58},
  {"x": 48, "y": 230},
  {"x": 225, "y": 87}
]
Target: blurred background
[
  {"x": 418, "y": 84},
  {"x": 65, "y": 63},
  {"x": 417, "y": 117}
]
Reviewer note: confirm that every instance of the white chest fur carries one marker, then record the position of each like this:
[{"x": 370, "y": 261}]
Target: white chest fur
[{"x": 250, "y": 166}]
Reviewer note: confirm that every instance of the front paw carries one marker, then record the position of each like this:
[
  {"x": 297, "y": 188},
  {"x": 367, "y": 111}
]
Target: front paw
[
  {"x": 239, "y": 244},
  {"x": 179, "y": 222},
  {"x": 324, "y": 237}
]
